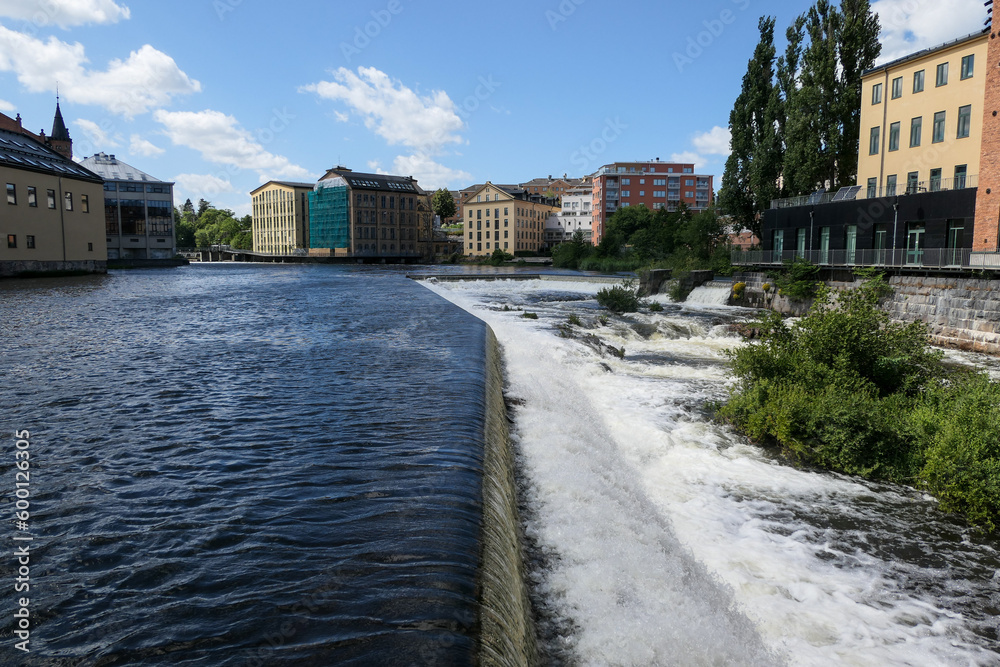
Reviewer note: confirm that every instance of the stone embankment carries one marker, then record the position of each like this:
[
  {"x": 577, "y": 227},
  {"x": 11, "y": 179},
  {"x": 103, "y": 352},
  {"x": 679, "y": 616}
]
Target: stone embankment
[{"x": 961, "y": 313}]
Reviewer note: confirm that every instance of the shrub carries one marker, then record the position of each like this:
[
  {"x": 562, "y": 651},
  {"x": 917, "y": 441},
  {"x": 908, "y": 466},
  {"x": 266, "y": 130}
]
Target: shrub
[
  {"x": 619, "y": 298},
  {"x": 655, "y": 307},
  {"x": 738, "y": 289},
  {"x": 529, "y": 316},
  {"x": 799, "y": 280},
  {"x": 574, "y": 320}
]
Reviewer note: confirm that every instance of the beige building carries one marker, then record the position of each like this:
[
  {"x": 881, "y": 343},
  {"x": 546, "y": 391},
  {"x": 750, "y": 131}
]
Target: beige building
[
  {"x": 52, "y": 217},
  {"x": 281, "y": 217},
  {"x": 505, "y": 217},
  {"x": 922, "y": 120}
]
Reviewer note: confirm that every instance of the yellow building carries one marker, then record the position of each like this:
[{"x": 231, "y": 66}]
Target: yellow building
[
  {"x": 281, "y": 217},
  {"x": 53, "y": 217},
  {"x": 922, "y": 120},
  {"x": 505, "y": 217}
]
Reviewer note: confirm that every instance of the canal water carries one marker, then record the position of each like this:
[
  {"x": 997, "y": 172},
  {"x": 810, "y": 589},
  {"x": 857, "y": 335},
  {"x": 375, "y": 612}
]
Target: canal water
[
  {"x": 660, "y": 538},
  {"x": 283, "y": 465}
]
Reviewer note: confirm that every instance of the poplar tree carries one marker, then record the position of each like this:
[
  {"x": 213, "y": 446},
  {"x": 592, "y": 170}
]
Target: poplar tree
[
  {"x": 858, "y": 48},
  {"x": 753, "y": 167}
]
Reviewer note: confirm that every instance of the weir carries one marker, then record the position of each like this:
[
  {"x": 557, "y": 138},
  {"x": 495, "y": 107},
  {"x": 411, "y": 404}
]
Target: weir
[{"x": 507, "y": 631}]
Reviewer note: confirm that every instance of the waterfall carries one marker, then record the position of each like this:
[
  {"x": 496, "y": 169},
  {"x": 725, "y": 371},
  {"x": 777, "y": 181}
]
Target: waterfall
[
  {"x": 711, "y": 293},
  {"x": 507, "y": 632}
]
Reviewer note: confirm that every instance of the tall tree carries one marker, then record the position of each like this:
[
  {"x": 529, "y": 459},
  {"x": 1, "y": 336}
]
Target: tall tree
[
  {"x": 753, "y": 168},
  {"x": 858, "y": 48},
  {"x": 443, "y": 203},
  {"x": 203, "y": 206}
]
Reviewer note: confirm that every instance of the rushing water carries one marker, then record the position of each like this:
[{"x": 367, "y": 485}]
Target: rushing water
[
  {"x": 244, "y": 465},
  {"x": 659, "y": 538}
]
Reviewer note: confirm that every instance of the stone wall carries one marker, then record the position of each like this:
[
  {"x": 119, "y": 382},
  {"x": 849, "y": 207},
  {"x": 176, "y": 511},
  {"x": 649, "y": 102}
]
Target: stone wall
[
  {"x": 959, "y": 312},
  {"x": 30, "y": 267}
]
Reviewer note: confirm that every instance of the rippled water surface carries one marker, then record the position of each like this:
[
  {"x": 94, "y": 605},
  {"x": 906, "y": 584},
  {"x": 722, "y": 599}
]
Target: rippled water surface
[{"x": 244, "y": 465}]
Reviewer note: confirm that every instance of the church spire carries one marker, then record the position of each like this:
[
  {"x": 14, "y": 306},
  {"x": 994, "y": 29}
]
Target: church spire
[{"x": 59, "y": 131}]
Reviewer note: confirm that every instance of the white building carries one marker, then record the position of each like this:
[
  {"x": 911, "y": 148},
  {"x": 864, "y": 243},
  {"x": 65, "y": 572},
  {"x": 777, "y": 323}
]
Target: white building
[
  {"x": 138, "y": 210},
  {"x": 576, "y": 215}
]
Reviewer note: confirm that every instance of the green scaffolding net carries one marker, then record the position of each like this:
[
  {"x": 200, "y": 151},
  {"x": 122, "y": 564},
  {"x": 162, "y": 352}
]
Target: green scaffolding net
[{"x": 329, "y": 217}]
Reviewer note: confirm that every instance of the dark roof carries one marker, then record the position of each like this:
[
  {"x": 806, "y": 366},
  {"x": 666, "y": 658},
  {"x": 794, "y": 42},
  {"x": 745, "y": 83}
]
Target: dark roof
[
  {"x": 361, "y": 181},
  {"x": 289, "y": 184},
  {"x": 59, "y": 131},
  {"x": 22, "y": 152},
  {"x": 924, "y": 52}
]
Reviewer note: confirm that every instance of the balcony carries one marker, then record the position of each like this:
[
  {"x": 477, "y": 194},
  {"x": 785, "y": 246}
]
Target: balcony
[
  {"x": 899, "y": 258},
  {"x": 900, "y": 189}
]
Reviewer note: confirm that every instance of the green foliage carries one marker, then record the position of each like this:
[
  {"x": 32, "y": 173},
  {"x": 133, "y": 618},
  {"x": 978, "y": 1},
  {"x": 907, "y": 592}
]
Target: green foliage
[
  {"x": 620, "y": 298},
  {"x": 568, "y": 255},
  {"x": 848, "y": 389},
  {"x": 738, "y": 289},
  {"x": 799, "y": 281},
  {"x": 529, "y": 316},
  {"x": 499, "y": 257},
  {"x": 574, "y": 320},
  {"x": 212, "y": 226},
  {"x": 443, "y": 203},
  {"x": 655, "y": 307}
]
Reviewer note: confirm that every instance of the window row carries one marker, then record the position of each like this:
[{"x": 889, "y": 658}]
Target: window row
[
  {"x": 914, "y": 184},
  {"x": 135, "y": 187},
  {"x": 938, "y": 131},
  {"x": 50, "y": 196},
  {"x": 940, "y": 79}
]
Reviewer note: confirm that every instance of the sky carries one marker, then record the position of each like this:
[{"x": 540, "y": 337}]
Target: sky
[{"x": 221, "y": 96}]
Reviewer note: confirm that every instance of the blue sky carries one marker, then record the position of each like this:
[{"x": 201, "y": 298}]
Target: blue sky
[{"x": 223, "y": 95}]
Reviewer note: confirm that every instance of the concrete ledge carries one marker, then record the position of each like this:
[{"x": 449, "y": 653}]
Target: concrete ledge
[{"x": 32, "y": 269}]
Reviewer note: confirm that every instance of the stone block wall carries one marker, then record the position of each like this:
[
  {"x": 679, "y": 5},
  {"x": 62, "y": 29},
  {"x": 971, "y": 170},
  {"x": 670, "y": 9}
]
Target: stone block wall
[{"x": 960, "y": 312}]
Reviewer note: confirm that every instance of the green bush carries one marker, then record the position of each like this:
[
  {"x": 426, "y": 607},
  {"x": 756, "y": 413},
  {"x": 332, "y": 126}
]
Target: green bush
[
  {"x": 529, "y": 316},
  {"x": 799, "y": 280},
  {"x": 848, "y": 389},
  {"x": 655, "y": 307},
  {"x": 620, "y": 298}
]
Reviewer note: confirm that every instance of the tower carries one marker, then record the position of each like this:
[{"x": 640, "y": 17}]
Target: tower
[{"x": 59, "y": 139}]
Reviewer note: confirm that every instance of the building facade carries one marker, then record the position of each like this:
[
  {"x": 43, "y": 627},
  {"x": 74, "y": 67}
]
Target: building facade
[
  {"x": 280, "y": 217},
  {"x": 922, "y": 120},
  {"x": 505, "y": 217},
  {"x": 370, "y": 216},
  {"x": 138, "y": 210},
  {"x": 574, "y": 216},
  {"x": 653, "y": 183},
  {"x": 51, "y": 218}
]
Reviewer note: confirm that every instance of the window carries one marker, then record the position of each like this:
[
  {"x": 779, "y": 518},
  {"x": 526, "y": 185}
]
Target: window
[
  {"x": 897, "y": 87},
  {"x": 29, "y": 241},
  {"x": 779, "y": 242},
  {"x": 938, "y": 134},
  {"x": 964, "y": 121},
  {"x": 918, "y": 81},
  {"x": 659, "y": 193},
  {"x": 968, "y": 64},
  {"x": 872, "y": 188},
  {"x": 11, "y": 241},
  {"x": 915, "y": 125},
  {"x": 942, "y": 75},
  {"x": 894, "y": 136},
  {"x": 51, "y": 196},
  {"x": 659, "y": 181},
  {"x": 84, "y": 204},
  {"x": 688, "y": 170},
  {"x": 877, "y": 93},
  {"x": 873, "y": 141},
  {"x": 911, "y": 182},
  {"x": 890, "y": 185},
  {"x": 961, "y": 171},
  {"x": 688, "y": 182},
  {"x": 626, "y": 181},
  {"x": 625, "y": 193},
  {"x": 935, "y": 180},
  {"x": 11, "y": 194},
  {"x": 68, "y": 199},
  {"x": 642, "y": 193}
]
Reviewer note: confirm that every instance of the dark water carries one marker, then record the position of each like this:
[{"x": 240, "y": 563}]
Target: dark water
[{"x": 243, "y": 465}]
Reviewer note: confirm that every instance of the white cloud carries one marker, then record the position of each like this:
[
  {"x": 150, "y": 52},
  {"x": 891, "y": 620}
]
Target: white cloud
[
  {"x": 341, "y": 117},
  {"x": 689, "y": 156},
  {"x": 139, "y": 146},
  {"x": 203, "y": 186},
  {"x": 912, "y": 25},
  {"x": 714, "y": 142},
  {"x": 6, "y": 106},
  {"x": 146, "y": 80},
  {"x": 100, "y": 137},
  {"x": 64, "y": 13},
  {"x": 396, "y": 113},
  {"x": 430, "y": 175},
  {"x": 222, "y": 140}
]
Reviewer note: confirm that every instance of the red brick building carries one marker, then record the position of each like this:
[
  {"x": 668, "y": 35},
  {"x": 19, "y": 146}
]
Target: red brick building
[{"x": 653, "y": 183}]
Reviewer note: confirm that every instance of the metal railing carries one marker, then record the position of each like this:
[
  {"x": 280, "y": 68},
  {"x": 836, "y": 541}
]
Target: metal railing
[
  {"x": 929, "y": 258},
  {"x": 899, "y": 189}
]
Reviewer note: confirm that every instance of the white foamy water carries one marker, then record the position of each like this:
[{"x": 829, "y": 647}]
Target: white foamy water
[
  {"x": 710, "y": 293},
  {"x": 668, "y": 541}
]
